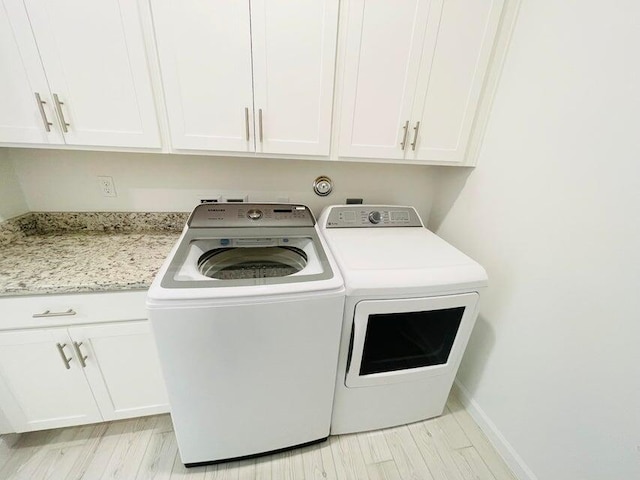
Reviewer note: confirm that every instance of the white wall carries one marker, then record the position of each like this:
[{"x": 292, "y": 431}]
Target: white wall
[
  {"x": 12, "y": 202},
  {"x": 58, "y": 180},
  {"x": 553, "y": 213}
]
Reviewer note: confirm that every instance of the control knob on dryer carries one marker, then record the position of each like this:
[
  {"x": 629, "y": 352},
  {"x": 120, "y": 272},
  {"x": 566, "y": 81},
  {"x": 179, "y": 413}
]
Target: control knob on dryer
[{"x": 375, "y": 217}]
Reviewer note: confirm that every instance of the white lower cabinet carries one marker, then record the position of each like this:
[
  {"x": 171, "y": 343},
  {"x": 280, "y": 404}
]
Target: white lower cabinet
[
  {"x": 122, "y": 369},
  {"x": 79, "y": 373},
  {"x": 37, "y": 389}
]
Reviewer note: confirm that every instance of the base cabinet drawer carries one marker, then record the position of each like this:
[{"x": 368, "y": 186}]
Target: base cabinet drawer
[{"x": 58, "y": 377}]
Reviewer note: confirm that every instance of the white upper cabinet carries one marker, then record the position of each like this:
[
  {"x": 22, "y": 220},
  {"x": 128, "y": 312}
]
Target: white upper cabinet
[
  {"x": 381, "y": 64},
  {"x": 294, "y": 48},
  {"x": 95, "y": 62},
  {"x": 26, "y": 112},
  {"x": 205, "y": 59},
  {"x": 447, "y": 107},
  {"x": 413, "y": 74},
  {"x": 248, "y": 76}
]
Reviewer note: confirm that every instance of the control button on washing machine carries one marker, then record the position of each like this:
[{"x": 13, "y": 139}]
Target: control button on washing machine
[
  {"x": 375, "y": 217},
  {"x": 254, "y": 214}
]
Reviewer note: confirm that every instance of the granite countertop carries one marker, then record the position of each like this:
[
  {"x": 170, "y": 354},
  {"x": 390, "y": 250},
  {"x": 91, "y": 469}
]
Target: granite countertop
[{"x": 87, "y": 252}]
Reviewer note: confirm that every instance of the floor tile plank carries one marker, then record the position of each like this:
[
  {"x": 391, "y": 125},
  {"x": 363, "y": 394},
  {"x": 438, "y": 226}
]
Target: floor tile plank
[
  {"x": 247, "y": 469},
  {"x": 406, "y": 454},
  {"x": 263, "y": 468},
  {"x": 222, "y": 471},
  {"x": 318, "y": 462},
  {"x": 383, "y": 471},
  {"x": 494, "y": 461},
  {"x": 287, "y": 465},
  {"x": 158, "y": 459},
  {"x": 130, "y": 449},
  {"x": 374, "y": 447},
  {"x": 26, "y": 454},
  {"x": 435, "y": 453},
  {"x": 180, "y": 472},
  {"x": 454, "y": 434},
  {"x": 348, "y": 458},
  {"x": 477, "y": 465}
]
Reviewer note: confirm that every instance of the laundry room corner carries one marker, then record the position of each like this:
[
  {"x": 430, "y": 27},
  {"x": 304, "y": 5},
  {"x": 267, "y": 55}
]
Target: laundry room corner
[{"x": 12, "y": 201}]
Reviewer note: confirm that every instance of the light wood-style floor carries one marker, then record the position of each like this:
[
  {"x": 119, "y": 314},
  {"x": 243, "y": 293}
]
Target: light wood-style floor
[{"x": 450, "y": 447}]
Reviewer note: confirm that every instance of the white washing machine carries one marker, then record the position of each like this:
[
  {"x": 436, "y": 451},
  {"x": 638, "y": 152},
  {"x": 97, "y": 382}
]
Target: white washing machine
[
  {"x": 247, "y": 313},
  {"x": 411, "y": 303}
]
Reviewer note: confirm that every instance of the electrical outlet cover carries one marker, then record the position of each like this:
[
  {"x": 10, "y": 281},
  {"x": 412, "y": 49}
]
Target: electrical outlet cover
[{"x": 107, "y": 187}]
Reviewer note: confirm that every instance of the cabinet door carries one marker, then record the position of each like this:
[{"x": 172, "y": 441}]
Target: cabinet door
[
  {"x": 95, "y": 60},
  {"x": 294, "y": 48},
  {"x": 205, "y": 58},
  {"x": 27, "y": 114},
  {"x": 37, "y": 390},
  {"x": 122, "y": 368},
  {"x": 452, "y": 75},
  {"x": 384, "y": 42}
]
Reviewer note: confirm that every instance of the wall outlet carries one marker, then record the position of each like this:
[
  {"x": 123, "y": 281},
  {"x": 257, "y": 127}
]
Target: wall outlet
[{"x": 107, "y": 187}]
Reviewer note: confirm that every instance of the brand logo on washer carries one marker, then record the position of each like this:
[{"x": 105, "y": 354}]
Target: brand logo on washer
[{"x": 215, "y": 209}]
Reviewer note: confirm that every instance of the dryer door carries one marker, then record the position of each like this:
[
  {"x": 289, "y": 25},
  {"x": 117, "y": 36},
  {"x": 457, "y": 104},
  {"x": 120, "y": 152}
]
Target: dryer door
[{"x": 409, "y": 339}]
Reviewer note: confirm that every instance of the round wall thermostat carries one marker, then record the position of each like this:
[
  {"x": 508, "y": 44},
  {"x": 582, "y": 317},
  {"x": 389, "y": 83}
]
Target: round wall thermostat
[{"x": 322, "y": 186}]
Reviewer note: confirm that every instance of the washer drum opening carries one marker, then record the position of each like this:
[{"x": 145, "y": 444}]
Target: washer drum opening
[{"x": 251, "y": 262}]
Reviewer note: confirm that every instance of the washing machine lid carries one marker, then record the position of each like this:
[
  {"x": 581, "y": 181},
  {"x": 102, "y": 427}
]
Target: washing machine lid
[
  {"x": 223, "y": 258},
  {"x": 249, "y": 251}
]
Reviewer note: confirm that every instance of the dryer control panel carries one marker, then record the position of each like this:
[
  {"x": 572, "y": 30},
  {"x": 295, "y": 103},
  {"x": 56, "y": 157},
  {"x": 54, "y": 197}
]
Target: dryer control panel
[
  {"x": 228, "y": 215},
  {"x": 373, "y": 216}
]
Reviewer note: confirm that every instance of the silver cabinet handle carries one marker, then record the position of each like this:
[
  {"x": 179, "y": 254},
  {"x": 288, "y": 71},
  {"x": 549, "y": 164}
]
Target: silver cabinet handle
[
  {"x": 404, "y": 137},
  {"x": 49, "y": 313},
  {"x": 60, "y": 114},
  {"x": 43, "y": 114},
  {"x": 246, "y": 121},
  {"x": 260, "y": 123},
  {"x": 415, "y": 136},
  {"x": 81, "y": 357},
  {"x": 64, "y": 355}
]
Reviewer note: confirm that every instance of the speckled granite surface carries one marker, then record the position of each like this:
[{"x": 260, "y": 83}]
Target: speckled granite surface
[{"x": 44, "y": 253}]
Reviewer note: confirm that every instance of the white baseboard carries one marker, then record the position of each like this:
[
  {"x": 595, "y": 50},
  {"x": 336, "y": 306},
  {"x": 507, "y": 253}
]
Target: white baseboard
[{"x": 502, "y": 446}]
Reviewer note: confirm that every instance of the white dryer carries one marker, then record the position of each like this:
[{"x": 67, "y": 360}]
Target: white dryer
[
  {"x": 411, "y": 303},
  {"x": 247, "y": 313}
]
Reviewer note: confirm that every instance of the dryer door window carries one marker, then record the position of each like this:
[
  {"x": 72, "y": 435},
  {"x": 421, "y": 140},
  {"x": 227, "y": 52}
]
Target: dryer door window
[
  {"x": 406, "y": 339},
  {"x": 400, "y": 341}
]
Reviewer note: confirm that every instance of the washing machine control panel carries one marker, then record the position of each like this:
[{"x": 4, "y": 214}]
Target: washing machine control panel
[
  {"x": 374, "y": 216},
  {"x": 230, "y": 215}
]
